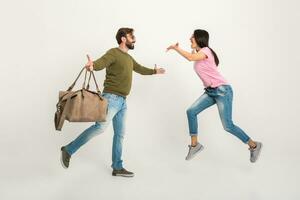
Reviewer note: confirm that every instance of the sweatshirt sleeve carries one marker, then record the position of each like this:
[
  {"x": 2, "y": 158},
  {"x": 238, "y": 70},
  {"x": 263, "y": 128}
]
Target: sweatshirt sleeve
[
  {"x": 105, "y": 61},
  {"x": 141, "y": 69}
]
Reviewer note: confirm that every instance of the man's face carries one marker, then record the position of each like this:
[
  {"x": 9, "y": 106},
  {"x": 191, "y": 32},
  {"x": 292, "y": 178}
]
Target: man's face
[{"x": 130, "y": 40}]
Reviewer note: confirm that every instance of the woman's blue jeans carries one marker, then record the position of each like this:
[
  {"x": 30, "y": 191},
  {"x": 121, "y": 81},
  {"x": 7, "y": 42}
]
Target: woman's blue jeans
[{"x": 222, "y": 96}]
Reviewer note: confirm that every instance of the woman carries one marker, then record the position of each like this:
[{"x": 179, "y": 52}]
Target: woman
[{"x": 217, "y": 91}]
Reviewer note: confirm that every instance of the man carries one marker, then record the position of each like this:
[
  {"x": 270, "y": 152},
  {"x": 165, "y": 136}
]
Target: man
[{"x": 119, "y": 66}]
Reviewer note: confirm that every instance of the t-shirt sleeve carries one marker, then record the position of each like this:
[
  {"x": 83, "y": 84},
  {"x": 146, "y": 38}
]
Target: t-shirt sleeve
[{"x": 206, "y": 51}]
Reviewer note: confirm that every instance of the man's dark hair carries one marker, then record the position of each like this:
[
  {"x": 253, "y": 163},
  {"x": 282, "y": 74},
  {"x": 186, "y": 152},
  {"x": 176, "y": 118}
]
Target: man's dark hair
[{"x": 122, "y": 32}]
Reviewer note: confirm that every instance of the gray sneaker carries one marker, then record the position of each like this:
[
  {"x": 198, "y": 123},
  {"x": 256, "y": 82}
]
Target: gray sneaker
[
  {"x": 194, "y": 150},
  {"x": 254, "y": 153}
]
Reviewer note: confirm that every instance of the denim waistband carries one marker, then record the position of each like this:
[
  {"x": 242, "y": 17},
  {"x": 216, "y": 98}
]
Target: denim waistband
[
  {"x": 214, "y": 88},
  {"x": 114, "y": 95}
]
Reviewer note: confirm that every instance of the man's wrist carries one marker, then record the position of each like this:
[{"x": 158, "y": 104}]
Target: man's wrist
[{"x": 155, "y": 71}]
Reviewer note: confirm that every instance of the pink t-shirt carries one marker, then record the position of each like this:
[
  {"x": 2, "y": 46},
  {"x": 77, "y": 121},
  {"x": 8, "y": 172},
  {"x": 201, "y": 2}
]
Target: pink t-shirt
[{"x": 207, "y": 70}]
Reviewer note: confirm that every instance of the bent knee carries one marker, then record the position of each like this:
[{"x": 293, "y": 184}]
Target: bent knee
[
  {"x": 119, "y": 136},
  {"x": 228, "y": 127},
  {"x": 99, "y": 128},
  {"x": 190, "y": 112}
]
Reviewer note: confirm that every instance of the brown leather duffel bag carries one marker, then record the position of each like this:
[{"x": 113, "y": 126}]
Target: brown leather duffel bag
[{"x": 80, "y": 106}]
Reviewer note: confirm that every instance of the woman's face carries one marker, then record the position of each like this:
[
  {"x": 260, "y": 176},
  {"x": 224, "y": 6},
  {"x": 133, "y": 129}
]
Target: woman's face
[{"x": 193, "y": 42}]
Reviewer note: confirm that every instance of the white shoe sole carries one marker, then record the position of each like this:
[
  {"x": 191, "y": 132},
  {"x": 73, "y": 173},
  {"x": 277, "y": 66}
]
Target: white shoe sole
[{"x": 124, "y": 175}]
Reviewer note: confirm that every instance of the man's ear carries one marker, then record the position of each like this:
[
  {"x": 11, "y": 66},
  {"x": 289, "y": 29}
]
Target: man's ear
[{"x": 123, "y": 39}]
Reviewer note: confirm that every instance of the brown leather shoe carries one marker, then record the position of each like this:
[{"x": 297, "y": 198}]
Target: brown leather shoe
[
  {"x": 122, "y": 172},
  {"x": 65, "y": 158}
]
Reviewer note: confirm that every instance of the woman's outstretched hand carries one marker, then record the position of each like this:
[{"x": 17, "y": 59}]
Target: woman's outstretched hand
[
  {"x": 193, "y": 56},
  {"x": 174, "y": 46}
]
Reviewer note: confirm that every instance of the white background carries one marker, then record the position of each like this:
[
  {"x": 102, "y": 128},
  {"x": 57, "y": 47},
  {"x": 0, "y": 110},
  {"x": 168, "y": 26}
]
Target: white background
[{"x": 43, "y": 47}]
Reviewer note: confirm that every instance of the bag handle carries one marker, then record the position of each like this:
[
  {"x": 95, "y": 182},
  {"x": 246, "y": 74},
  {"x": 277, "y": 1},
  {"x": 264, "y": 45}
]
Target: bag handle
[
  {"x": 91, "y": 73},
  {"x": 88, "y": 83},
  {"x": 83, "y": 85},
  {"x": 73, "y": 84}
]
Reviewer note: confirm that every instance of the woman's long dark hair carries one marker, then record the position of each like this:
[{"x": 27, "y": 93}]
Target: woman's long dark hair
[{"x": 202, "y": 39}]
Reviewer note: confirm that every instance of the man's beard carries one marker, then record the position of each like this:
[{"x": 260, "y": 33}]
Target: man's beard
[{"x": 130, "y": 45}]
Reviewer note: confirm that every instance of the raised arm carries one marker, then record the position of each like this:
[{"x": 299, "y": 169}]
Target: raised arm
[
  {"x": 106, "y": 60},
  {"x": 141, "y": 69},
  {"x": 194, "y": 56},
  {"x": 147, "y": 71}
]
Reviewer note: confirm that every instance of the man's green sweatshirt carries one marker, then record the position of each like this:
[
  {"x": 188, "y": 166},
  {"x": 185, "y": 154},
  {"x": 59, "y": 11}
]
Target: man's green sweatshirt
[{"x": 119, "y": 66}]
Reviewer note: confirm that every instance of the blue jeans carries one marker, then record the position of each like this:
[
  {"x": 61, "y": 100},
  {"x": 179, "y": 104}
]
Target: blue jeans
[
  {"x": 117, "y": 114},
  {"x": 222, "y": 96}
]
